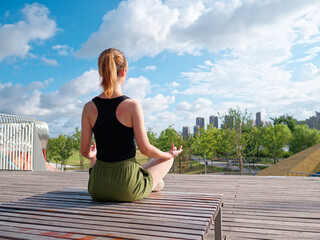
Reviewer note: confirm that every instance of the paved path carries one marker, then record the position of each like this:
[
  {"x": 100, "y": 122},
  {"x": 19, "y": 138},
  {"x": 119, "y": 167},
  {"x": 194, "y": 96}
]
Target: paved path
[
  {"x": 224, "y": 164},
  {"x": 59, "y": 166}
]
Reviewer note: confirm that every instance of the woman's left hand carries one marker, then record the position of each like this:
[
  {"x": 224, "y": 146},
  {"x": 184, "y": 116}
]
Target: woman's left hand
[{"x": 93, "y": 151}]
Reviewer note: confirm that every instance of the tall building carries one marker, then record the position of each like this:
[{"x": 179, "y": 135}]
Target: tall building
[
  {"x": 185, "y": 131},
  {"x": 214, "y": 121},
  {"x": 258, "y": 119},
  {"x": 312, "y": 122},
  {"x": 200, "y": 122},
  {"x": 211, "y": 119},
  {"x": 196, "y": 130}
]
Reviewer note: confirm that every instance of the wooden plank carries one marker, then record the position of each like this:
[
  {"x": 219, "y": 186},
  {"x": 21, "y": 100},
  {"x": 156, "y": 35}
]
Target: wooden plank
[
  {"x": 94, "y": 230},
  {"x": 78, "y": 218},
  {"x": 297, "y": 200},
  {"x": 51, "y": 220},
  {"x": 112, "y": 217},
  {"x": 33, "y": 234}
]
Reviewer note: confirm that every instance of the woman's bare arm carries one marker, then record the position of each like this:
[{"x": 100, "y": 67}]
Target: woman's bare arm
[
  {"x": 142, "y": 138},
  {"x": 86, "y": 149}
]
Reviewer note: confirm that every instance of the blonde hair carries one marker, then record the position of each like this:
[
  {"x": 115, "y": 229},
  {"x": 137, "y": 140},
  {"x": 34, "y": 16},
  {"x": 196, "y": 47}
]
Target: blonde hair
[{"x": 111, "y": 61}]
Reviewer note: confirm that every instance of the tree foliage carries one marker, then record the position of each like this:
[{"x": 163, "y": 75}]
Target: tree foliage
[
  {"x": 237, "y": 139},
  {"x": 167, "y": 137},
  {"x": 208, "y": 142},
  {"x": 303, "y": 137},
  {"x": 76, "y": 145},
  {"x": 152, "y": 136},
  {"x": 287, "y": 120},
  {"x": 239, "y": 124},
  {"x": 60, "y": 149},
  {"x": 275, "y": 138}
]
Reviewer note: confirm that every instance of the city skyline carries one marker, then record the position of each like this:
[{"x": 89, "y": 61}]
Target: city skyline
[{"x": 312, "y": 122}]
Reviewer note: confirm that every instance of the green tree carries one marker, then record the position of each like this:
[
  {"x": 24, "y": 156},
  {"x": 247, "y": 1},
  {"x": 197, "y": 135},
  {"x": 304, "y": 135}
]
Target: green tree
[
  {"x": 66, "y": 145},
  {"x": 152, "y": 136},
  {"x": 287, "y": 120},
  {"x": 226, "y": 146},
  {"x": 166, "y": 138},
  {"x": 303, "y": 138},
  {"x": 208, "y": 142},
  {"x": 52, "y": 150},
  {"x": 76, "y": 145},
  {"x": 275, "y": 138},
  {"x": 188, "y": 147},
  {"x": 254, "y": 141},
  {"x": 60, "y": 149},
  {"x": 239, "y": 124}
]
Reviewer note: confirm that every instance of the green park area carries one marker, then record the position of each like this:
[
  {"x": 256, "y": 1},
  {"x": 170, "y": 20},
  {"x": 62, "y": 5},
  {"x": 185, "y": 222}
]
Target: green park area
[{"x": 238, "y": 147}]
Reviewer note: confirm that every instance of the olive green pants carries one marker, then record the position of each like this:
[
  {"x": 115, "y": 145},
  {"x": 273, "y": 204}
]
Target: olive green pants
[{"x": 123, "y": 181}]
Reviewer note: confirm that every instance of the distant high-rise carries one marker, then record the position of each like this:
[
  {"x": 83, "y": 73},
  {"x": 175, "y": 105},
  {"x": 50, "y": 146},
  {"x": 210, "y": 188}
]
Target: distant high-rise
[
  {"x": 185, "y": 131},
  {"x": 200, "y": 122},
  {"x": 317, "y": 120},
  {"x": 214, "y": 121},
  {"x": 312, "y": 122},
  {"x": 211, "y": 119},
  {"x": 258, "y": 119},
  {"x": 196, "y": 129}
]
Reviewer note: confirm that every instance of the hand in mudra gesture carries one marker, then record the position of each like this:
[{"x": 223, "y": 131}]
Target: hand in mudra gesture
[
  {"x": 93, "y": 151},
  {"x": 174, "y": 152}
]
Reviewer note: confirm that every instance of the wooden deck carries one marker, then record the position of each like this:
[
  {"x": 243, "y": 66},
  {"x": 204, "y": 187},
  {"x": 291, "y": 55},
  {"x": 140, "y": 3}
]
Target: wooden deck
[{"x": 254, "y": 207}]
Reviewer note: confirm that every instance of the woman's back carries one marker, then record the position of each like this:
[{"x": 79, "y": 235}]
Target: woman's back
[{"x": 115, "y": 141}]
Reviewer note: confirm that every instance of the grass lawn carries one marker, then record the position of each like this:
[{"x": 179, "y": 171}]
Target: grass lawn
[
  {"x": 74, "y": 160},
  {"x": 197, "y": 168}
]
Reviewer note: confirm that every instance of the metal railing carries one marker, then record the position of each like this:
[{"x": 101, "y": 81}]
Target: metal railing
[
  {"x": 302, "y": 174},
  {"x": 16, "y": 143}
]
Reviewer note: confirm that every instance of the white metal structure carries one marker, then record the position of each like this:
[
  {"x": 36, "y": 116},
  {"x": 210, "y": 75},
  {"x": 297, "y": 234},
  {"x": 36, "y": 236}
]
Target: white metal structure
[{"x": 20, "y": 146}]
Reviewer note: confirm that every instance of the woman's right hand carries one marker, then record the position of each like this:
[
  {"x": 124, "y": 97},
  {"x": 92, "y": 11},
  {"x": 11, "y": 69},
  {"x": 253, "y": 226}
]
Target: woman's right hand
[{"x": 174, "y": 152}]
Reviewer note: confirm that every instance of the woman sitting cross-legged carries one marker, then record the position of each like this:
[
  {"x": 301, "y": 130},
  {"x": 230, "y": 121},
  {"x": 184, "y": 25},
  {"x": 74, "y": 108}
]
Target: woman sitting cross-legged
[{"x": 117, "y": 122}]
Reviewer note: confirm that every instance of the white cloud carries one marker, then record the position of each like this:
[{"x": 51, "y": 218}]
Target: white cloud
[
  {"x": 50, "y": 62},
  {"x": 190, "y": 26},
  {"x": 309, "y": 71},
  {"x": 150, "y": 68},
  {"x": 137, "y": 88},
  {"x": 138, "y": 28},
  {"x": 68, "y": 99},
  {"x": 156, "y": 103},
  {"x": 254, "y": 86},
  {"x": 63, "y": 50},
  {"x": 156, "y": 112},
  {"x": 15, "y": 38},
  {"x": 59, "y": 107}
]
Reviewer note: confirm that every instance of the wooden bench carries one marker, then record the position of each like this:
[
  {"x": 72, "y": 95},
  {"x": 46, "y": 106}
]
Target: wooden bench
[{"x": 71, "y": 214}]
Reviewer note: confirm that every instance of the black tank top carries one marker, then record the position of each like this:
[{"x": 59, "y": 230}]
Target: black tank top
[{"x": 114, "y": 141}]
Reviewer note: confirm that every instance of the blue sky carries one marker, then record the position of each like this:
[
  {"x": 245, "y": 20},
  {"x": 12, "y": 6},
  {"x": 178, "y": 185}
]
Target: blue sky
[{"x": 187, "y": 58}]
